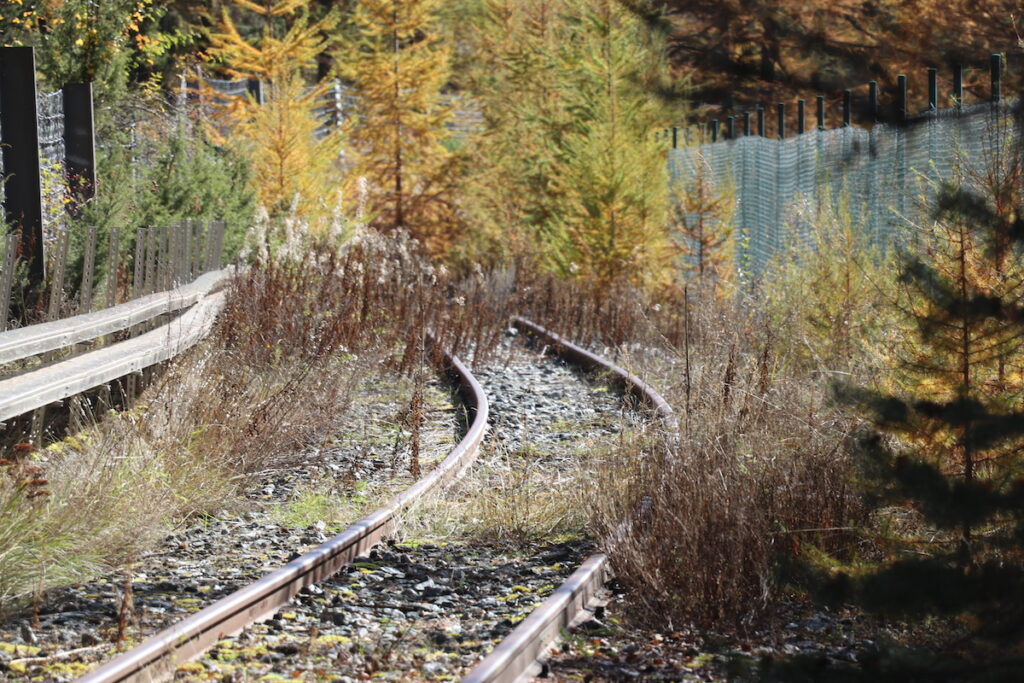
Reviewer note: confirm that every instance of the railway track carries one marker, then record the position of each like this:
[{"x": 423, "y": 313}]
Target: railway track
[
  {"x": 324, "y": 616},
  {"x": 518, "y": 656},
  {"x": 158, "y": 656}
]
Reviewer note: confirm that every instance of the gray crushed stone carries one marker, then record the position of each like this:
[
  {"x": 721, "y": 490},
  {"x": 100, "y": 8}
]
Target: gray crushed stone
[
  {"x": 430, "y": 611},
  {"x": 216, "y": 556}
]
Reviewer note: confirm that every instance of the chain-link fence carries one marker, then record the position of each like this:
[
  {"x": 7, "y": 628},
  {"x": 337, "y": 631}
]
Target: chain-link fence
[
  {"x": 885, "y": 176},
  {"x": 52, "y": 162},
  {"x": 339, "y": 102}
]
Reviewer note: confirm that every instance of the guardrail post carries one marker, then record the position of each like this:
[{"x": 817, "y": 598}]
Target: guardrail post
[
  {"x": 113, "y": 261},
  {"x": 79, "y": 141},
  {"x": 780, "y": 108},
  {"x": 9, "y": 254},
  {"x": 958, "y": 85},
  {"x": 873, "y": 100},
  {"x": 801, "y": 116},
  {"x": 336, "y": 98},
  {"x": 23, "y": 196},
  {"x": 901, "y": 98},
  {"x": 821, "y": 112},
  {"x": 996, "y": 67},
  {"x": 59, "y": 268},
  {"x": 933, "y": 89},
  {"x": 217, "y": 255},
  {"x": 88, "y": 270},
  {"x": 139, "y": 263}
]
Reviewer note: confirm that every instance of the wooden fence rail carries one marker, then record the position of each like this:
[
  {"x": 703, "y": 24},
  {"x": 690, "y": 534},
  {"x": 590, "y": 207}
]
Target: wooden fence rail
[
  {"x": 51, "y": 383},
  {"x": 36, "y": 339}
]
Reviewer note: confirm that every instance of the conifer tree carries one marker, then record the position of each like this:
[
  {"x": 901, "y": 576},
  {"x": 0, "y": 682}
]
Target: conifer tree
[
  {"x": 949, "y": 432},
  {"x": 515, "y": 194},
  {"x": 827, "y": 287},
  {"x": 572, "y": 176},
  {"x": 701, "y": 220},
  {"x": 289, "y": 159},
  {"x": 398, "y": 65},
  {"x": 612, "y": 169}
]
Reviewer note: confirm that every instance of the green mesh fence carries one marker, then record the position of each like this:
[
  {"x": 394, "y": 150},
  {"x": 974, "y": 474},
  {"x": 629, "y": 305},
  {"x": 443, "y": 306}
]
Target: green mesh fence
[{"x": 885, "y": 177}]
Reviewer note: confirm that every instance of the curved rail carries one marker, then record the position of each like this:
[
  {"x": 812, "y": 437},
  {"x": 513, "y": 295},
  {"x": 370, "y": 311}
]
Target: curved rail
[
  {"x": 520, "y": 650},
  {"x": 157, "y": 657}
]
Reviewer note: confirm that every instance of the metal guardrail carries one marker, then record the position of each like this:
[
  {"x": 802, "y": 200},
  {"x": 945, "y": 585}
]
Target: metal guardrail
[
  {"x": 39, "y": 387},
  {"x": 518, "y": 653},
  {"x": 35, "y": 339},
  {"x": 157, "y": 658}
]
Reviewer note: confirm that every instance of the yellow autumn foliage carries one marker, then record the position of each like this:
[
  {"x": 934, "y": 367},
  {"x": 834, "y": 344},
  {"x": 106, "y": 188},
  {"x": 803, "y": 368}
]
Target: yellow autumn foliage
[{"x": 293, "y": 165}]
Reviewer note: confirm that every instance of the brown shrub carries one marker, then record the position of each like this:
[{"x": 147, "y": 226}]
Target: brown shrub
[
  {"x": 276, "y": 377},
  {"x": 759, "y": 473}
]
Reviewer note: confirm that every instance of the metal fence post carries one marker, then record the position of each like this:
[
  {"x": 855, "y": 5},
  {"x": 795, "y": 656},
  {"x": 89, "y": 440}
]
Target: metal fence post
[
  {"x": 996, "y": 66},
  {"x": 873, "y": 100},
  {"x": 23, "y": 196},
  {"x": 780, "y": 108},
  {"x": 746, "y": 124},
  {"x": 730, "y": 127},
  {"x": 714, "y": 130},
  {"x": 958, "y": 85},
  {"x": 901, "y": 97},
  {"x": 760, "y": 120},
  {"x": 254, "y": 87},
  {"x": 80, "y": 141},
  {"x": 821, "y": 112},
  {"x": 933, "y": 89},
  {"x": 801, "y": 116}
]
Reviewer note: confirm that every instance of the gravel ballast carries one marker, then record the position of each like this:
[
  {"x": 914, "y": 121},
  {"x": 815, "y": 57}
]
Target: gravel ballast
[
  {"x": 432, "y": 604},
  {"x": 284, "y": 513}
]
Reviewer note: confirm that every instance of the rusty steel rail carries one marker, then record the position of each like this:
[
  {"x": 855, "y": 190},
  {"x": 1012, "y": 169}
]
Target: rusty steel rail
[
  {"x": 625, "y": 381},
  {"x": 157, "y": 657},
  {"x": 518, "y": 653}
]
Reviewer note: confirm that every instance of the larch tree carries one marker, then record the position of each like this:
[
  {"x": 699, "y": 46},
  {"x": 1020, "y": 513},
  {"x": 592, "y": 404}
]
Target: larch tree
[
  {"x": 701, "y": 215},
  {"x": 949, "y": 426},
  {"x": 516, "y": 84},
  {"x": 397, "y": 64},
  {"x": 290, "y": 160},
  {"x": 612, "y": 169}
]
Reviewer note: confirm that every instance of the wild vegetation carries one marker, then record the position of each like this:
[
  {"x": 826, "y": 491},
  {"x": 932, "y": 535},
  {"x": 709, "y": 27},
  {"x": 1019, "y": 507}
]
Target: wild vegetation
[
  {"x": 849, "y": 422},
  {"x": 297, "y": 335}
]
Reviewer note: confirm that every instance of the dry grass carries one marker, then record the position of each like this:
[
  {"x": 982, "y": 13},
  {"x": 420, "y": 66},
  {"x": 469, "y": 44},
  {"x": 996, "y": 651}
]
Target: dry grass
[
  {"x": 295, "y": 339},
  {"x": 511, "y": 499},
  {"x": 760, "y": 473}
]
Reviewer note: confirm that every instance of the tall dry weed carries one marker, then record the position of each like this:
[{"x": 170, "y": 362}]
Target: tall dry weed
[
  {"x": 758, "y": 473},
  {"x": 275, "y": 379}
]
